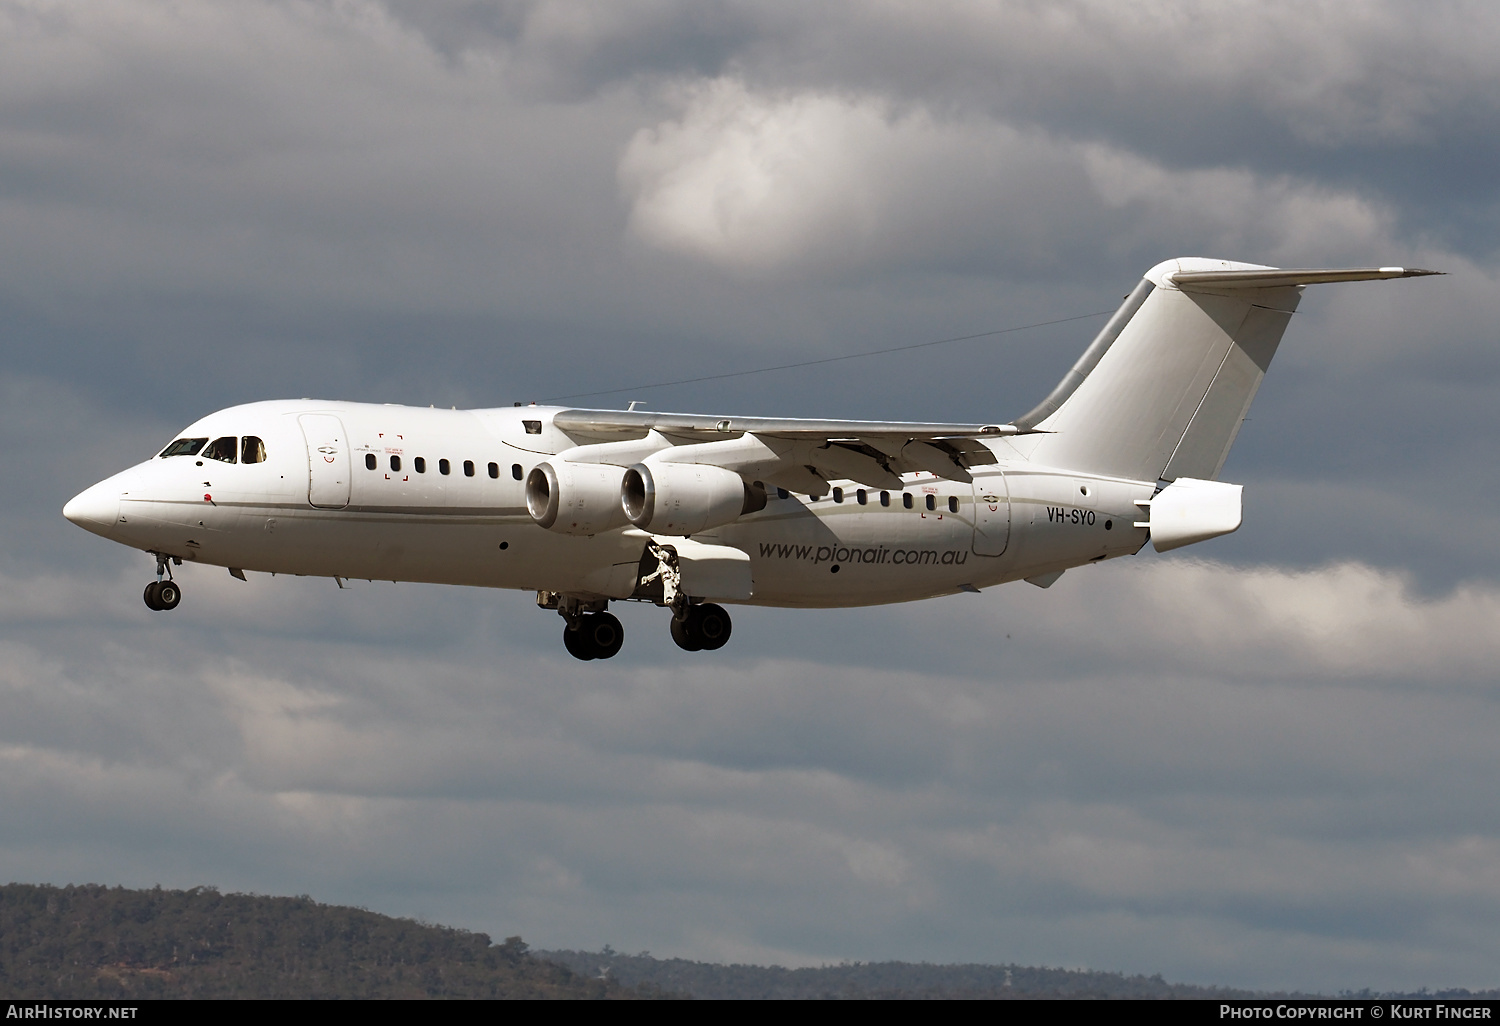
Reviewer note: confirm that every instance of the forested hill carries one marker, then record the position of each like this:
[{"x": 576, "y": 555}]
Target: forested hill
[
  {"x": 911, "y": 980},
  {"x": 875, "y": 979},
  {"x": 101, "y": 942},
  {"x": 83, "y": 942}
]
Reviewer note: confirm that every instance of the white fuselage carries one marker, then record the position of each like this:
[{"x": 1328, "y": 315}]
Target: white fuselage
[{"x": 347, "y": 513}]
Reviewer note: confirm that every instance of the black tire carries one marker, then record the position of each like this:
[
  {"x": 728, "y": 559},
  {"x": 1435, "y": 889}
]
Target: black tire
[
  {"x": 605, "y": 634},
  {"x": 168, "y": 595},
  {"x": 712, "y": 625},
  {"x": 152, "y": 602},
  {"x": 682, "y": 632},
  {"x": 577, "y": 643}
]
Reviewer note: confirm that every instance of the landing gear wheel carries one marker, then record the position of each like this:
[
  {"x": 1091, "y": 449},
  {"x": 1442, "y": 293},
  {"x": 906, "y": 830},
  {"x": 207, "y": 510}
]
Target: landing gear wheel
[
  {"x": 682, "y": 632},
  {"x": 705, "y": 628},
  {"x": 576, "y": 641},
  {"x": 168, "y": 594},
  {"x": 152, "y": 601},
  {"x": 605, "y": 634},
  {"x": 713, "y": 626}
]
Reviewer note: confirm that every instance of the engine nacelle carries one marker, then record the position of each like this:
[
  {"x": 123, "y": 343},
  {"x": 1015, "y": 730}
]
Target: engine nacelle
[
  {"x": 685, "y": 498},
  {"x": 575, "y": 498}
]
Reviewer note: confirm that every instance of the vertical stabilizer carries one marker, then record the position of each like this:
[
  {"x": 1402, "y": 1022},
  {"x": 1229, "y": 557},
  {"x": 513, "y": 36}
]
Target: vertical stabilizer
[
  {"x": 1171, "y": 379},
  {"x": 1161, "y": 393}
]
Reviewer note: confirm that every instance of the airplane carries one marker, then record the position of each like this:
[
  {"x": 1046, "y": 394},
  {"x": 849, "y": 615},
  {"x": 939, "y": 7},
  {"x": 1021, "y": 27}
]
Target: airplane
[{"x": 587, "y": 507}]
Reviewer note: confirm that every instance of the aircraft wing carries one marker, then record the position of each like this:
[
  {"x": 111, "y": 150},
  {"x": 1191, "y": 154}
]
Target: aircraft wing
[
  {"x": 798, "y": 454},
  {"x": 702, "y": 427}
]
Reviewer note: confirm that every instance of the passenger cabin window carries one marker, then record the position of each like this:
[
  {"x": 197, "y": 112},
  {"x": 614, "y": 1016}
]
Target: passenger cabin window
[
  {"x": 953, "y": 504},
  {"x": 222, "y": 449},
  {"x": 395, "y": 462},
  {"x": 533, "y": 427},
  {"x": 369, "y": 461},
  {"x": 906, "y": 499},
  {"x": 468, "y": 468},
  {"x": 252, "y": 450},
  {"x": 516, "y": 471},
  {"x": 494, "y": 471},
  {"x": 184, "y": 447},
  {"x": 419, "y": 465},
  {"x": 932, "y": 502},
  {"x": 838, "y": 495},
  {"x": 443, "y": 467},
  {"x": 861, "y": 497},
  {"x": 885, "y": 498},
  {"x": 782, "y": 493}
]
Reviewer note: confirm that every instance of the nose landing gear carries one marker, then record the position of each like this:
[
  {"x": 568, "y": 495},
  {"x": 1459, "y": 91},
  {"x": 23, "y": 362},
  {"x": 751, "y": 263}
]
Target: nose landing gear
[
  {"x": 702, "y": 628},
  {"x": 162, "y": 595}
]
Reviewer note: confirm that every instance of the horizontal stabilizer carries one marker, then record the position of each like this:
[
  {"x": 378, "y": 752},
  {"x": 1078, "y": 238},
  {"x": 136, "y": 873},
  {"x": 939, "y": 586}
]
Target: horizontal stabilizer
[{"x": 1273, "y": 277}]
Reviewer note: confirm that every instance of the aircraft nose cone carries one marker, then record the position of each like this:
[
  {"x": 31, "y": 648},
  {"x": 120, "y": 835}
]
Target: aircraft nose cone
[{"x": 95, "y": 509}]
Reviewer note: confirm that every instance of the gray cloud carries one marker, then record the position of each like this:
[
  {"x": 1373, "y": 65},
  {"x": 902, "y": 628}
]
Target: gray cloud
[
  {"x": 812, "y": 181},
  {"x": 1320, "y": 815},
  {"x": 1376, "y": 97}
]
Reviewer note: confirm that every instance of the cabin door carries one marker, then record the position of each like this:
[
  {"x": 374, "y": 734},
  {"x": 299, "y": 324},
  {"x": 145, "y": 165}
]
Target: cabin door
[
  {"x": 327, "y": 460},
  {"x": 991, "y": 515}
]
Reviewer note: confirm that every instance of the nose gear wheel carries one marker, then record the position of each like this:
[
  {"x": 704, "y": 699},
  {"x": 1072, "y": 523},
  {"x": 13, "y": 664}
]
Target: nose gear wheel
[{"x": 163, "y": 594}]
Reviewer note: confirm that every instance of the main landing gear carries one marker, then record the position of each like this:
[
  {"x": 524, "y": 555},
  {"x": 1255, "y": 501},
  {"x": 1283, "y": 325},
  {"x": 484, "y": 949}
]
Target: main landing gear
[
  {"x": 594, "y": 636},
  {"x": 701, "y": 628},
  {"x": 162, "y": 595},
  {"x": 592, "y": 631},
  {"x": 695, "y": 627}
]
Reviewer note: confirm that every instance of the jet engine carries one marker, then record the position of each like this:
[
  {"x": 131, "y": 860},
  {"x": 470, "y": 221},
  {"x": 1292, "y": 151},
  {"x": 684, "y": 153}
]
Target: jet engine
[
  {"x": 685, "y": 498},
  {"x": 575, "y": 498}
]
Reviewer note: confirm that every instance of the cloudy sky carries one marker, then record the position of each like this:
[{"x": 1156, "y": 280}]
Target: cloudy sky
[{"x": 1268, "y": 761}]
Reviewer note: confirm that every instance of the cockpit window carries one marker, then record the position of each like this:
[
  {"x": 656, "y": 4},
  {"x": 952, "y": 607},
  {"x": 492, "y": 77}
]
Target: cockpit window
[
  {"x": 221, "y": 449},
  {"x": 252, "y": 450},
  {"x": 183, "y": 447}
]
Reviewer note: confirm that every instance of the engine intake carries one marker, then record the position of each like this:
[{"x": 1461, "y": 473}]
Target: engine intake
[
  {"x": 575, "y": 498},
  {"x": 685, "y": 498}
]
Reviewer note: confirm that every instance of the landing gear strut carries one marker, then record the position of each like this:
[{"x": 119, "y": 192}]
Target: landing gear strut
[
  {"x": 704, "y": 628},
  {"x": 696, "y": 628},
  {"x": 162, "y": 595},
  {"x": 592, "y": 632}
]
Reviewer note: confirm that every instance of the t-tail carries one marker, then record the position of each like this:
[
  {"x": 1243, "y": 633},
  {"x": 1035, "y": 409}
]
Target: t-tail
[{"x": 1163, "y": 389}]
